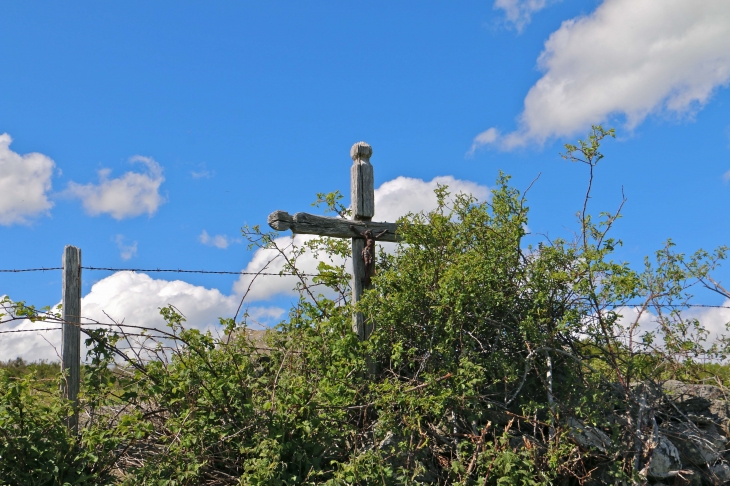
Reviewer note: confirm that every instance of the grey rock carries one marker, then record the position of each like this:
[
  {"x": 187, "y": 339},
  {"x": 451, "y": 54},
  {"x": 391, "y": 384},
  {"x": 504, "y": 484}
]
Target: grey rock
[
  {"x": 697, "y": 445},
  {"x": 586, "y": 436},
  {"x": 516, "y": 443},
  {"x": 690, "y": 477},
  {"x": 684, "y": 392},
  {"x": 719, "y": 474},
  {"x": 698, "y": 400},
  {"x": 388, "y": 441},
  {"x": 664, "y": 461}
]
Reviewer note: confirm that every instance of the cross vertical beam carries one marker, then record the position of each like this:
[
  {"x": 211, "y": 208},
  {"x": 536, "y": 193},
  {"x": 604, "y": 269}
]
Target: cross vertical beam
[{"x": 362, "y": 195}]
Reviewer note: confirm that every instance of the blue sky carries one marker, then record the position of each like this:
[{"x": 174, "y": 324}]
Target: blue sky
[{"x": 148, "y": 133}]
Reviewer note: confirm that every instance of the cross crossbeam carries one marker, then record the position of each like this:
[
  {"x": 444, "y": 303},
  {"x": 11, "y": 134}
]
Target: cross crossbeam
[{"x": 310, "y": 224}]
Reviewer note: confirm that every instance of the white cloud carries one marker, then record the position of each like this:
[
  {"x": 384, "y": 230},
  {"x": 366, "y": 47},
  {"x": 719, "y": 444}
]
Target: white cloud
[
  {"x": 203, "y": 174},
  {"x": 25, "y": 181},
  {"x": 519, "y": 12},
  {"x": 726, "y": 176},
  {"x": 634, "y": 325},
  {"x": 125, "y": 251},
  {"x": 219, "y": 241},
  {"x": 712, "y": 319},
  {"x": 135, "y": 299},
  {"x": 488, "y": 136},
  {"x": 128, "y": 196},
  {"x": 262, "y": 317},
  {"x": 402, "y": 195},
  {"x": 27, "y": 340},
  {"x": 629, "y": 58},
  {"x": 393, "y": 199}
]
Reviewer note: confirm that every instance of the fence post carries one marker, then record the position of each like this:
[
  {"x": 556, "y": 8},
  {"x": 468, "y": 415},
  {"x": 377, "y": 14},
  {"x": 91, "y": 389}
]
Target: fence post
[{"x": 71, "y": 338}]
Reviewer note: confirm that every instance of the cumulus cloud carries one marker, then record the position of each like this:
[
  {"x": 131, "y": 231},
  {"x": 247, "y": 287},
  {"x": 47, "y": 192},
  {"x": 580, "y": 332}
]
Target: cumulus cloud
[
  {"x": 403, "y": 195},
  {"x": 203, "y": 174},
  {"x": 219, "y": 241},
  {"x": 134, "y": 299},
  {"x": 262, "y": 317},
  {"x": 28, "y": 340},
  {"x": 125, "y": 251},
  {"x": 25, "y": 181},
  {"x": 393, "y": 199},
  {"x": 128, "y": 196},
  {"x": 488, "y": 136},
  {"x": 714, "y": 319},
  {"x": 627, "y": 59},
  {"x": 518, "y": 13},
  {"x": 635, "y": 325}
]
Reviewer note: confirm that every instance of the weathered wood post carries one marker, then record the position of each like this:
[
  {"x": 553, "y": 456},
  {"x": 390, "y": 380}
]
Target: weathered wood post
[
  {"x": 71, "y": 337},
  {"x": 362, "y": 197},
  {"x": 361, "y": 229}
]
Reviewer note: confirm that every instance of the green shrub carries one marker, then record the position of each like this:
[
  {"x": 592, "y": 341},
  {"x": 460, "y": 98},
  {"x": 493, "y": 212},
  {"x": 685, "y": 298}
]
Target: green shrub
[{"x": 482, "y": 349}]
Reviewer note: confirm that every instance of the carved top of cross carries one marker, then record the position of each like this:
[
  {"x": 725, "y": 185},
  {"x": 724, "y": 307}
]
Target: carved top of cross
[{"x": 361, "y": 152}]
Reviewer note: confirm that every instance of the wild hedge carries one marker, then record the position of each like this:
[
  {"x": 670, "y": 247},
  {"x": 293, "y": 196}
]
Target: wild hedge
[{"x": 485, "y": 350}]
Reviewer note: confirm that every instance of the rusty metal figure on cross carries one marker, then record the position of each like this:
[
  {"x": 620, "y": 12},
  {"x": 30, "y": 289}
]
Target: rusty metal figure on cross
[
  {"x": 366, "y": 231},
  {"x": 368, "y": 253}
]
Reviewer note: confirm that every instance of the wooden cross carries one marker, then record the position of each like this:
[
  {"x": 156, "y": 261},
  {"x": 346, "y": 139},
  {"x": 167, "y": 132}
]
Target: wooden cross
[{"x": 360, "y": 228}]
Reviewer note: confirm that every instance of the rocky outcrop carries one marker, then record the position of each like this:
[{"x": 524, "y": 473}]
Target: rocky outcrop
[
  {"x": 664, "y": 460},
  {"x": 586, "y": 436},
  {"x": 701, "y": 403},
  {"x": 698, "y": 444},
  {"x": 690, "y": 444}
]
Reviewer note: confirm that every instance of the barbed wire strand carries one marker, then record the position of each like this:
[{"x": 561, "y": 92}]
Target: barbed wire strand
[
  {"x": 279, "y": 274},
  {"x": 32, "y": 330},
  {"x": 221, "y": 272},
  {"x": 168, "y": 270},
  {"x": 31, "y": 270},
  {"x": 616, "y": 306}
]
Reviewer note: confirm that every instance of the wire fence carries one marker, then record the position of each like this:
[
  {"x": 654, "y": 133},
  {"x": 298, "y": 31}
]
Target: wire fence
[
  {"x": 7, "y": 313},
  {"x": 163, "y": 270},
  {"x": 52, "y": 318},
  {"x": 285, "y": 274}
]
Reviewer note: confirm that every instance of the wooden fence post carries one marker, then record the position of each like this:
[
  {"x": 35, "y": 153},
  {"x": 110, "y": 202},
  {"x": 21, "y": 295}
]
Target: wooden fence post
[{"x": 71, "y": 338}]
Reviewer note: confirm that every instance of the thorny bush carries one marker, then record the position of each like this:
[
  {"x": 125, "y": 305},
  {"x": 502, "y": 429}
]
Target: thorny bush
[{"x": 484, "y": 349}]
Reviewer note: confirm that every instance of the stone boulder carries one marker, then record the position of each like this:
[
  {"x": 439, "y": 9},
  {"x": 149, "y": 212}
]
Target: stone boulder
[
  {"x": 699, "y": 401},
  {"x": 586, "y": 436},
  {"x": 698, "y": 445},
  {"x": 664, "y": 460},
  {"x": 719, "y": 474}
]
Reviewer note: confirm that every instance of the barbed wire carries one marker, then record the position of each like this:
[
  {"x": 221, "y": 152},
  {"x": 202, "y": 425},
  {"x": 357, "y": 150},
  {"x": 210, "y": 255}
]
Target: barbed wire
[
  {"x": 616, "y": 306},
  {"x": 282, "y": 274},
  {"x": 122, "y": 325},
  {"x": 31, "y": 270},
  {"x": 168, "y": 270},
  {"x": 32, "y": 330},
  {"x": 221, "y": 272}
]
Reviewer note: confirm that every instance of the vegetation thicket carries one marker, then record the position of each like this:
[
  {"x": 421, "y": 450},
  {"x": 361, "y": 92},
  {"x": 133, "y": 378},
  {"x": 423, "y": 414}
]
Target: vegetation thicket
[{"x": 485, "y": 354}]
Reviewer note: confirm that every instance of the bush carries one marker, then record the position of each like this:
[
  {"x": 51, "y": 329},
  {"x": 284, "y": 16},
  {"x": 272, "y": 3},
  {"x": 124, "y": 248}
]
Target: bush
[{"x": 484, "y": 351}]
